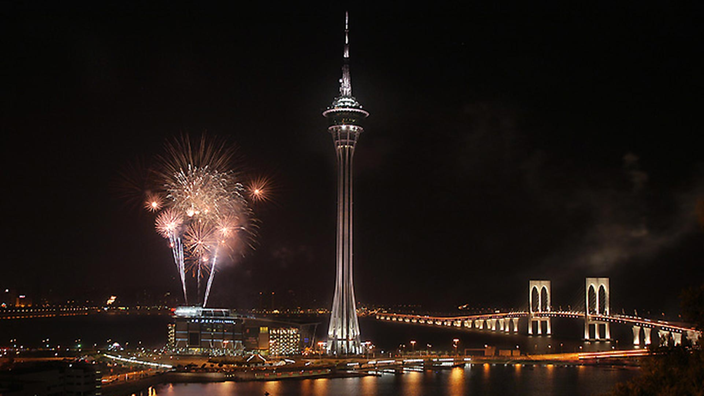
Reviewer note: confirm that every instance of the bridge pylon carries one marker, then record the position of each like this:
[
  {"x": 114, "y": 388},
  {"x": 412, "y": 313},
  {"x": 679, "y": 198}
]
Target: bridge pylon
[
  {"x": 599, "y": 288},
  {"x": 539, "y": 300}
]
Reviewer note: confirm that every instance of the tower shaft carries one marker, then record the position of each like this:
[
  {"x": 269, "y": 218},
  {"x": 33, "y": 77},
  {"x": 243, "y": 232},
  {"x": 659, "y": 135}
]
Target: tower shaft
[{"x": 343, "y": 332}]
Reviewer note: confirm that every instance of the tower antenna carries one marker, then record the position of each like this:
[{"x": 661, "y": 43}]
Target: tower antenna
[{"x": 346, "y": 81}]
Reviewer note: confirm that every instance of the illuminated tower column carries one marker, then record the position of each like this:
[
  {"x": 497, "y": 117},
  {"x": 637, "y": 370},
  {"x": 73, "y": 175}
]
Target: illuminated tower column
[
  {"x": 601, "y": 307},
  {"x": 344, "y": 116}
]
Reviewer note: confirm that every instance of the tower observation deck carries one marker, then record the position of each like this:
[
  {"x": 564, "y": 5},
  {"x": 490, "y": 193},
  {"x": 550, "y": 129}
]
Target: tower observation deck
[{"x": 345, "y": 115}]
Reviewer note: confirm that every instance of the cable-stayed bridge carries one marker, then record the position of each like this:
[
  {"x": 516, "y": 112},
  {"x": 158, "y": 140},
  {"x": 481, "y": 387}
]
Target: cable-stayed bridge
[{"x": 596, "y": 316}]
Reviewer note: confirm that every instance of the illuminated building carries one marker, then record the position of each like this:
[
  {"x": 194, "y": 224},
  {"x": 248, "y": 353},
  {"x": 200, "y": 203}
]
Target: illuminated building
[
  {"x": 214, "y": 332},
  {"x": 171, "y": 339},
  {"x": 256, "y": 338},
  {"x": 207, "y": 331},
  {"x": 345, "y": 116},
  {"x": 284, "y": 341},
  {"x": 23, "y": 301}
]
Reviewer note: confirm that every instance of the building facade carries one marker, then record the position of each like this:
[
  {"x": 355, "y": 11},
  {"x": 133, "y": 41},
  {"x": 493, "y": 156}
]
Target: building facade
[
  {"x": 206, "y": 331},
  {"x": 284, "y": 341},
  {"x": 218, "y": 332}
]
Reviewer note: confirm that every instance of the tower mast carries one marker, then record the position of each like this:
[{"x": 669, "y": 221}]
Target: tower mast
[{"x": 344, "y": 115}]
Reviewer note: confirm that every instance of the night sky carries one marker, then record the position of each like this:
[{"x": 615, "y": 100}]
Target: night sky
[{"x": 504, "y": 144}]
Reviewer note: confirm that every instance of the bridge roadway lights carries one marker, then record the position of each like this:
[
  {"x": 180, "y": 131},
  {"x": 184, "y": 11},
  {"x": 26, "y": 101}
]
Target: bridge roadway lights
[
  {"x": 666, "y": 333},
  {"x": 503, "y": 324}
]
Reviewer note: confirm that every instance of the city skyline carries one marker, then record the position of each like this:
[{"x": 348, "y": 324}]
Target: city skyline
[{"x": 516, "y": 144}]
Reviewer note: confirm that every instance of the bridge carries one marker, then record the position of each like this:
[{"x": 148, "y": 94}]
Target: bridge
[
  {"x": 596, "y": 316},
  {"x": 43, "y": 312}
]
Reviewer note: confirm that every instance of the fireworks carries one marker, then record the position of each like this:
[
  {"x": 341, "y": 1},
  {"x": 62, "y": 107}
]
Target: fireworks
[
  {"x": 153, "y": 203},
  {"x": 201, "y": 205},
  {"x": 259, "y": 189},
  {"x": 168, "y": 223}
]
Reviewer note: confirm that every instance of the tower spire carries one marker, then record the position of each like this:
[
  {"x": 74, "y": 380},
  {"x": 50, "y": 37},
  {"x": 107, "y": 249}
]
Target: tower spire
[
  {"x": 346, "y": 53},
  {"x": 345, "y": 81}
]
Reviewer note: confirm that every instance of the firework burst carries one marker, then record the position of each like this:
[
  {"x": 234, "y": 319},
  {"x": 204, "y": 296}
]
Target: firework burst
[
  {"x": 200, "y": 239},
  {"x": 168, "y": 223},
  {"x": 202, "y": 207},
  {"x": 153, "y": 202},
  {"x": 259, "y": 189}
]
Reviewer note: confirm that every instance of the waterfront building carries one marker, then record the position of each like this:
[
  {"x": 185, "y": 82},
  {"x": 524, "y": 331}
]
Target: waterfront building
[
  {"x": 23, "y": 301},
  {"x": 217, "y": 332},
  {"x": 256, "y": 339},
  {"x": 171, "y": 337},
  {"x": 345, "y": 116},
  {"x": 207, "y": 331}
]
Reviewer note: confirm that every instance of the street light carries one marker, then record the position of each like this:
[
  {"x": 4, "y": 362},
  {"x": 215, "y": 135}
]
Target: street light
[
  {"x": 320, "y": 349},
  {"x": 367, "y": 347},
  {"x": 413, "y": 346},
  {"x": 454, "y": 344},
  {"x": 401, "y": 349}
]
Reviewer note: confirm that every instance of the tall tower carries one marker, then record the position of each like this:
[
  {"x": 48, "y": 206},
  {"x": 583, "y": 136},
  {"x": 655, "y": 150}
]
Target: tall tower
[{"x": 345, "y": 116}]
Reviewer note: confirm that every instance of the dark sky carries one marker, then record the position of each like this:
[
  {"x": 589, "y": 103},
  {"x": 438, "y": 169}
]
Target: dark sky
[{"x": 504, "y": 144}]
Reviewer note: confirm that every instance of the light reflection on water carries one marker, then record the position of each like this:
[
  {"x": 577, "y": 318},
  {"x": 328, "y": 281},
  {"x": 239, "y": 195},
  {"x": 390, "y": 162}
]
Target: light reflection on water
[
  {"x": 412, "y": 384},
  {"x": 549, "y": 380},
  {"x": 273, "y": 387},
  {"x": 368, "y": 385},
  {"x": 457, "y": 381},
  {"x": 472, "y": 380}
]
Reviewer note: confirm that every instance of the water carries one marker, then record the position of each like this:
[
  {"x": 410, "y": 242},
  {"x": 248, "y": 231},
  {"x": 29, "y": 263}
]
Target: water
[
  {"x": 95, "y": 329},
  {"x": 472, "y": 380}
]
